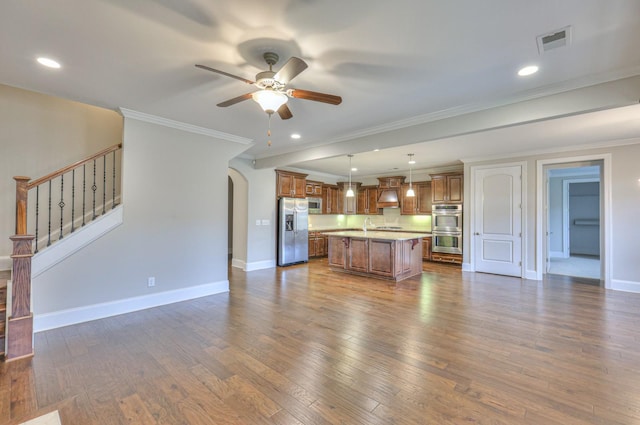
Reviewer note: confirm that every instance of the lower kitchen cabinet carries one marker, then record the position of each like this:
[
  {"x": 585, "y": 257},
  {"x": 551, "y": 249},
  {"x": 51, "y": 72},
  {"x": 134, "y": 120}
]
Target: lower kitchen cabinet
[
  {"x": 442, "y": 257},
  {"x": 426, "y": 249},
  {"x": 317, "y": 245}
]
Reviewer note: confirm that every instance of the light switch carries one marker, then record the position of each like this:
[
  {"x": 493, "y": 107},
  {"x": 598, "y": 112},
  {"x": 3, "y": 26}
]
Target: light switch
[{"x": 257, "y": 222}]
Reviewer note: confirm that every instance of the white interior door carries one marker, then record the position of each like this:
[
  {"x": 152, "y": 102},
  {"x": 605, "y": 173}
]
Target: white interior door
[{"x": 498, "y": 220}]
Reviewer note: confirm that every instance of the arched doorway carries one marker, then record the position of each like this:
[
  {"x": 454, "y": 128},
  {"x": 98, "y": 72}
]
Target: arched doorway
[{"x": 237, "y": 218}]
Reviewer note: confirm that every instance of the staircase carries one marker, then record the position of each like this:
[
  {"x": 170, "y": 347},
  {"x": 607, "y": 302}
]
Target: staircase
[
  {"x": 62, "y": 205},
  {"x": 4, "y": 276}
]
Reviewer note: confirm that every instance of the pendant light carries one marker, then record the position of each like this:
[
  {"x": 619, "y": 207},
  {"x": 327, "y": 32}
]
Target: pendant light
[
  {"x": 410, "y": 192},
  {"x": 350, "y": 193}
]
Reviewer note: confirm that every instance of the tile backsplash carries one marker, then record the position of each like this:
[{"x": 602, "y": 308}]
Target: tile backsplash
[{"x": 391, "y": 217}]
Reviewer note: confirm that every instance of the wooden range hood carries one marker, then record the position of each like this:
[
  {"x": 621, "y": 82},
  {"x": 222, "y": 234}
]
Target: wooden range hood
[{"x": 388, "y": 188}]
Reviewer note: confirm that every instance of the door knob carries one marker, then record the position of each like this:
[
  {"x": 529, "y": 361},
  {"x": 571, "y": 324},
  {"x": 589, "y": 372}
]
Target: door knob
[{"x": 477, "y": 234}]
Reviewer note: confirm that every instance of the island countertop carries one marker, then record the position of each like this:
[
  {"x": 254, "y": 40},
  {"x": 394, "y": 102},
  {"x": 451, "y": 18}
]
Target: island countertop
[
  {"x": 373, "y": 234},
  {"x": 383, "y": 255}
]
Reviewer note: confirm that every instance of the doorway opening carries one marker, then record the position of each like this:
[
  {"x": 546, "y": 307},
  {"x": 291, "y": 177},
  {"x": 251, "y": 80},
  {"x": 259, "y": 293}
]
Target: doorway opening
[
  {"x": 237, "y": 204},
  {"x": 573, "y": 225}
]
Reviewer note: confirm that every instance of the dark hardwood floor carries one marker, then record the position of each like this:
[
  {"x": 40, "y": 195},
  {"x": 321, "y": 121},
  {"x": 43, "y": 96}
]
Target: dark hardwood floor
[{"x": 303, "y": 345}]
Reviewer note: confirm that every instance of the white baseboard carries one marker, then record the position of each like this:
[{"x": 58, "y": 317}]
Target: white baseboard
[
  {"x": 238, "y": 264},
  {"x": 75, "y": 241},
  {"x": 625, "y": 285},
  {"x": 249, "y": 267},
  {"x": 467, "y": 267},
  {"x": 531, "y": 275},
  {"x": 557, "y": 254},
  {"x": 58, "y": 319},
  {"x": 259, "y": 265}
]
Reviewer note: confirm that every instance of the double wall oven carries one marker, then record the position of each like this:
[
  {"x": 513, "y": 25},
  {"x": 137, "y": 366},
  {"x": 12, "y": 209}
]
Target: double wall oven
[{"x": 446, "y": 228}]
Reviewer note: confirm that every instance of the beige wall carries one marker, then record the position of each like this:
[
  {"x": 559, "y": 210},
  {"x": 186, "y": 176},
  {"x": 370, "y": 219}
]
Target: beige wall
[
  {"x": 40, "y": 134},
  {"x": 174, "y": 229}
]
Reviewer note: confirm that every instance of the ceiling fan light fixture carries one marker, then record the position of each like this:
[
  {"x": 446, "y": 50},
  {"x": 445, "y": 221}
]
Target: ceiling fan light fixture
[{"x": 269, "y": 100}]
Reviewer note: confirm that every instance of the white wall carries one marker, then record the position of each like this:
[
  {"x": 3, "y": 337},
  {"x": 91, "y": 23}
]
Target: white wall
[
  {"x": 556, "y": 214},
  {"x": 261, "y": 205},
  {"x": 175, "y": 229},
  {"x": 239, "y": 220},
  {"x": 40, "y": 134}
]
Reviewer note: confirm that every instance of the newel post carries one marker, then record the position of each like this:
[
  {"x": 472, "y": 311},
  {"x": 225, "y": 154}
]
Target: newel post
[
  {"x": 20, "y": 324},
  {"x": 22, "y": 194}
]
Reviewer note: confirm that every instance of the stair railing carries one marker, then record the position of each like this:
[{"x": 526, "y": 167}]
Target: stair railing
[
  {"x": 72, "y": 197},
  {"x": 95, "y": 188}
]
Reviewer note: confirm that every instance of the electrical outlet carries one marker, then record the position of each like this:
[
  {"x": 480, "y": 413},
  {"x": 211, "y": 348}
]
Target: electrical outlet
[
  {"x": 151, "y": 282},
  {"x": 257, "y": 222}
]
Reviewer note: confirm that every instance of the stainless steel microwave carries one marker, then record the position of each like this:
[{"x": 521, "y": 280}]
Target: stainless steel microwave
[{"x": 315, "y": 205}]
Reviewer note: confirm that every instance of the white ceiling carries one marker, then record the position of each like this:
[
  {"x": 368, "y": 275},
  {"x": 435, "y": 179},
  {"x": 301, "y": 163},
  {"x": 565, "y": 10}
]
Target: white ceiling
[{"x": 395, "y": 64}]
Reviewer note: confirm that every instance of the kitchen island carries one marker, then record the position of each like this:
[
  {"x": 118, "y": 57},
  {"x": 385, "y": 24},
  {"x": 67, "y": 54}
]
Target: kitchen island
[{"x": 382, "y": 255}]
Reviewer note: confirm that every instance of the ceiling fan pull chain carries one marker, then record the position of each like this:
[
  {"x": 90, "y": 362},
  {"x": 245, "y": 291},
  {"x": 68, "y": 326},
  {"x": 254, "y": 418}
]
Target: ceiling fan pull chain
[{"x": 269, "y": 131}]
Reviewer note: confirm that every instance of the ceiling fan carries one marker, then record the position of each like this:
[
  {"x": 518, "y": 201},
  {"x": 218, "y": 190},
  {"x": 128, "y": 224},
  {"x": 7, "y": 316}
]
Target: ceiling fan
[{"x": 273, "y": 94}]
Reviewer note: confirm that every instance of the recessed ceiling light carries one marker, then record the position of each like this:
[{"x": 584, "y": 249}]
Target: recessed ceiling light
[
  {"x": 354, "y": 169},
  {"x": 49, "y": 63},
  {"x": 295, "y": 136},
  {"x": 528, "y": 70},
  {"x": 376, "y": 150}
]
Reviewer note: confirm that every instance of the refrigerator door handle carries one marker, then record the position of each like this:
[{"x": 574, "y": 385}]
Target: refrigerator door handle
[{"x": 295, "y": 221}]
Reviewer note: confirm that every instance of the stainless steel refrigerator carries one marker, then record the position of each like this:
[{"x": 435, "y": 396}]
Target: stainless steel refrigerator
[{"x": 293, "y": 231}]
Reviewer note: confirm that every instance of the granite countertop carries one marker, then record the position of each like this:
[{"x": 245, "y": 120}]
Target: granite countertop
[
  {"x": 377, "y": 234},
  {"x": 330, "y": 230}
]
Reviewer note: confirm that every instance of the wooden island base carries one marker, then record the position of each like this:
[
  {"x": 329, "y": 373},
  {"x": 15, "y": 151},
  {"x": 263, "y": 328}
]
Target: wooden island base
[{"x": 381, "y": 255}]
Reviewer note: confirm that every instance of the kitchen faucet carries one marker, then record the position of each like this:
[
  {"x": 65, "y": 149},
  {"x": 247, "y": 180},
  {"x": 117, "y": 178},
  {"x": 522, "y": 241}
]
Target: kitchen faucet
[{"x": 364, "y": 224}]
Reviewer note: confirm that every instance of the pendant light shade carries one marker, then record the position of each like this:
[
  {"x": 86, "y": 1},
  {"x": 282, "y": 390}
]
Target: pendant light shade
[
  {"x": 410, "y": 191},
  {"x": 350, "y": 193}
]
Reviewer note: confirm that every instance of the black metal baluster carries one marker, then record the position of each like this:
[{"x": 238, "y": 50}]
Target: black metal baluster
[
  {"x": 94, "y": 188},
  {"x": 61, "y": 204},
  {"x": 84, "y": 191},
  {"x": 37, "y": 216},
  {"x": 49, "y": 224},
  {"x": 104, "y": 184},
  {"x": 113, "y": 200},
  {"x": 73, "y": 199}
]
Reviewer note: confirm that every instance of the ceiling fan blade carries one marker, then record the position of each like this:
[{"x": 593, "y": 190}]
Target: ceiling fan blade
[
  {"x": 235, "y": 100},
  {"x": 290, "y": 70},
  {"x": 217, "y": 71},
  {"x": 284, "y": 112},
  {"x": 315, "y": 96}
]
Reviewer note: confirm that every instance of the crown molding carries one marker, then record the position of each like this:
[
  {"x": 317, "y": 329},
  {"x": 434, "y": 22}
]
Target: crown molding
[
  {"x": 190, "y": 128},
  {"x": 559, "y": 149}
]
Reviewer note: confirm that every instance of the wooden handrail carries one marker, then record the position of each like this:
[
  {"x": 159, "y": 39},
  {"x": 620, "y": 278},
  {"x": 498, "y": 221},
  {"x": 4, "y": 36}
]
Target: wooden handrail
[{"x": 68, "y": 168}]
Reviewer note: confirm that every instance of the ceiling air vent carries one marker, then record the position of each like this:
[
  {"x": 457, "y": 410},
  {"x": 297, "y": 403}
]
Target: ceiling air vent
[{"x": 553, "y": 40}]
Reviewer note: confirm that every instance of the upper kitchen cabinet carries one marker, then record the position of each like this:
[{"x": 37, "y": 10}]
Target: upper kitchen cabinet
[
  {"x": 418, "y": 204},
  {"x": 313, "y": 188},
  {"x": 446, "y": 188},
  {"x": 330, "y": 199},
  {"x": 367, "y": 200},
  {"x": 290, "y": 184}
]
